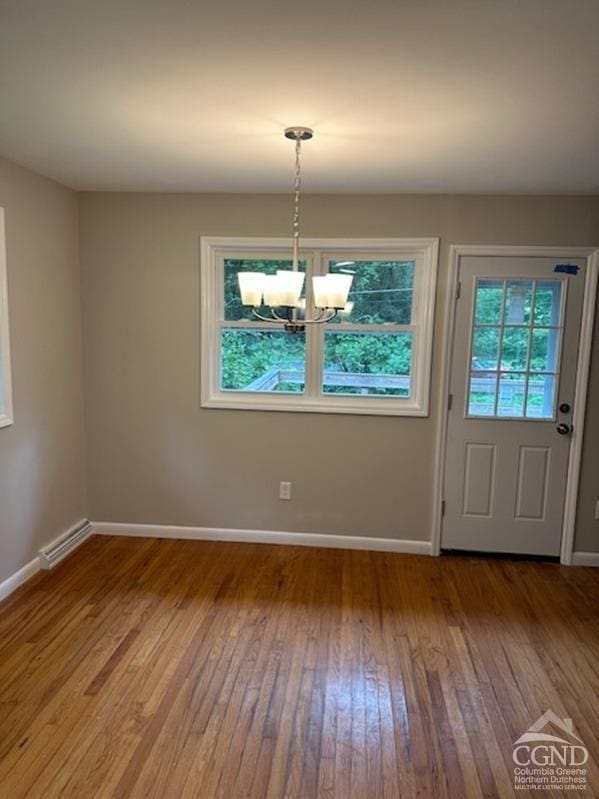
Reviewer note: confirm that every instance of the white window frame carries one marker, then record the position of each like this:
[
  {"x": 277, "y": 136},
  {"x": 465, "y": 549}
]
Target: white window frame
[
  {"x": 6, "y": 412},
  {"x": 214, "y": 250}
]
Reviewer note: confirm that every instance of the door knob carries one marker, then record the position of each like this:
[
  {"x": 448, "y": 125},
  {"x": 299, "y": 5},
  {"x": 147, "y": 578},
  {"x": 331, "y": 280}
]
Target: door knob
[{"x": 563, "y": 429}]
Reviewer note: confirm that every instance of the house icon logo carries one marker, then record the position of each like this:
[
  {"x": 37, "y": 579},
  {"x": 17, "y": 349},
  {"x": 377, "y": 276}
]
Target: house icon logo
[
  {"x": 550, "y": 755},
  {"x": 548, "y": 719}
]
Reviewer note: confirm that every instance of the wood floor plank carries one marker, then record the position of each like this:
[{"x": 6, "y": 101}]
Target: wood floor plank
[{"x": 205, "y": 670}]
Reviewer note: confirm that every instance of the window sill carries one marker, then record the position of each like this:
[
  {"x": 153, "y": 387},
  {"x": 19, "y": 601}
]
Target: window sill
[{"x": 368, "y": 407}]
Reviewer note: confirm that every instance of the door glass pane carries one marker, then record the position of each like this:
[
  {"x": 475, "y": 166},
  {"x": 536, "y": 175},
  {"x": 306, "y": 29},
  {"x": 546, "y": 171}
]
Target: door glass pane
[
  {"x": 541, "y": 397},
  {"x": 548, "y": 302},
  {"x": 511, "y": 394},
  {"x": 514, "y": 349},
  {"x": 483, "y": 387},
  {"x": 489, "y": 301},
  {"x": 529, "y": 336},
  {"x": 234, "y": 310},
  {"x": 518, "y": 302},
  {"x": 367, "y": 363},
  {"x": 485, "y": 348},
  {"x": 544, "y": 349},
  {"x": 381, "y": 291},
  {"x": 262, "y": 360}
]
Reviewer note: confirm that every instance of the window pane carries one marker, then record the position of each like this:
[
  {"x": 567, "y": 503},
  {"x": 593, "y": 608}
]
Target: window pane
[
  {"x": 262, "y": 360},
  {"x": 518, "y": 302},
  {"x": 547, "y": 302},
  {"x": 381, "y": 291},
  {"x": 234, "y": 310},
  {"x": 489, "y": 299},
  {"x": 511, "y": 395},
  {"x": 483, "y": 388},
  {"x": 541, "y": 397},
  {"x": 485, "y": 348},
  {"x": 514, "y": 349},
  {"x": 367, "y": 363},
  {"x": 544, "y": 350}
]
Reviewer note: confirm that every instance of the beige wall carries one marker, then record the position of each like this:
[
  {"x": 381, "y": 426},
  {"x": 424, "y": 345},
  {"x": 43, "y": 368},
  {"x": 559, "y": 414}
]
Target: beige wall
[
  {"x": 587, "y": 526},
  {"x": 42, "y": 486},
  {"x": 155, "y": 456}
]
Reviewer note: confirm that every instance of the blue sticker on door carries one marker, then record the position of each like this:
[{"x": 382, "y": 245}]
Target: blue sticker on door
[{"x": 567, "y": 269}]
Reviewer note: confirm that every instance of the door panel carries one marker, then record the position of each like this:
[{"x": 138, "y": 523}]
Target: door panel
[
  {"x": 514, "y": 363},
  {"x": 533, "y": 475},
  {"x": 479, "y": 479}
]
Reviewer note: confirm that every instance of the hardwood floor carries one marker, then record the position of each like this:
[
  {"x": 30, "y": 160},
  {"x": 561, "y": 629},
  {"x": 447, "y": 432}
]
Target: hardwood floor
[{"x": 174, "y": 669}]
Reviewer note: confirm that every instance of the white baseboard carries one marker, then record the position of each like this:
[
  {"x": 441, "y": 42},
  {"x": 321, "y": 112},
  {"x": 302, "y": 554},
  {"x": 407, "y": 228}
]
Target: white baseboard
[
  {"x": 26, "y": 572},
  {"x": 263, "y": 537},
  {"x": 18, "y": 578},
  {"x": 585, "y": 558}
]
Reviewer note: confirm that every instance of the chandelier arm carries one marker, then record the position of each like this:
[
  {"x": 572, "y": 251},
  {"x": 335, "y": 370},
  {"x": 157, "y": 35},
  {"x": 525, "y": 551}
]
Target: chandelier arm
[
  {"x": 271, "y": 319},
  {"x": 320, "y": 320},
  {"x": 274, "y": 318}
]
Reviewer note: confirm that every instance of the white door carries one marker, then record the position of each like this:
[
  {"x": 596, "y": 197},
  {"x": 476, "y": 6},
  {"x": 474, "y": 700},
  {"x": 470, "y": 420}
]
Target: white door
[{"x": 512, "y": 390}]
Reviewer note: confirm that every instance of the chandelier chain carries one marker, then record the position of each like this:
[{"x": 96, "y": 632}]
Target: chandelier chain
[{"x": 296, "y": 195}]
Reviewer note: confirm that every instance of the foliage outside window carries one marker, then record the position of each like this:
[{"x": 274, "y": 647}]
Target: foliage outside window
[
  {"x": 516, "y": 339},
  {"x": 372, "y": 358}
]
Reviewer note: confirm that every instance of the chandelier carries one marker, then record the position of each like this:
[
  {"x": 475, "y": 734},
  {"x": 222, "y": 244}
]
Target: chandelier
[{"x": 282, "y": 291}]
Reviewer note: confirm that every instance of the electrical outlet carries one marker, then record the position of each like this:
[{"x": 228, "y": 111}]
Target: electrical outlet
[
  {"x": 284, "y": 490},
  {"x": 597, "y": 509}
]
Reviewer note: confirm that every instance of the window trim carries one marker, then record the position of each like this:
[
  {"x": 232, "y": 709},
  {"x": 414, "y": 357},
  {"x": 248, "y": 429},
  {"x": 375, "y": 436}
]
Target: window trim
[
  {"x": 6, "y": 416},
  {"x": 215, "y": 248}
]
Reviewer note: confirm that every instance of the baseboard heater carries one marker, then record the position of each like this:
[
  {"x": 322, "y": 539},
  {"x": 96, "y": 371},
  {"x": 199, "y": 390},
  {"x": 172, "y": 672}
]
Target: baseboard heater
[{"x": 63, "y": 546}]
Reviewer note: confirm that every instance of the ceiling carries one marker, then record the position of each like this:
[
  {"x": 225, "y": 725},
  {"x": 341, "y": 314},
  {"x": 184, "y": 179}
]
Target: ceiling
[{"x": 473, "y": 96}]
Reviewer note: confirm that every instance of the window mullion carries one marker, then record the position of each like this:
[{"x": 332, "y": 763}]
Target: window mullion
[{"x": 314, "y": 334}]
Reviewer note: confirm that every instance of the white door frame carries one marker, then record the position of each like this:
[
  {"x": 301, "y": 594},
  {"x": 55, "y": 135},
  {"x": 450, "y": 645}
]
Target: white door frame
[{"x": 591, "y": 255}]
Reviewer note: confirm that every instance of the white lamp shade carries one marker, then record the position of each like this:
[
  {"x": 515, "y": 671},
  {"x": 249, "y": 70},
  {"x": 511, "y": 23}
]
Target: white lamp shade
[
  {"x": 338, "y": 289},
  {"x": 291, "y": 284},
  {"x": 319, "y": 289},
  {"x": 272, "y": 291},
  {"x": 251, "y": 286},
  {"x": 348, "y": 308},
  {"x": 331, "y": 290}
]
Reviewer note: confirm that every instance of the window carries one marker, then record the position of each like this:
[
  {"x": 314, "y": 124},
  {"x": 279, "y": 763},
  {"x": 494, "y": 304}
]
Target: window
[
  {"x": 373, "y": 358},
  {"x": 6, "y": 417},
  {"x": 514, "y": 349}
]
